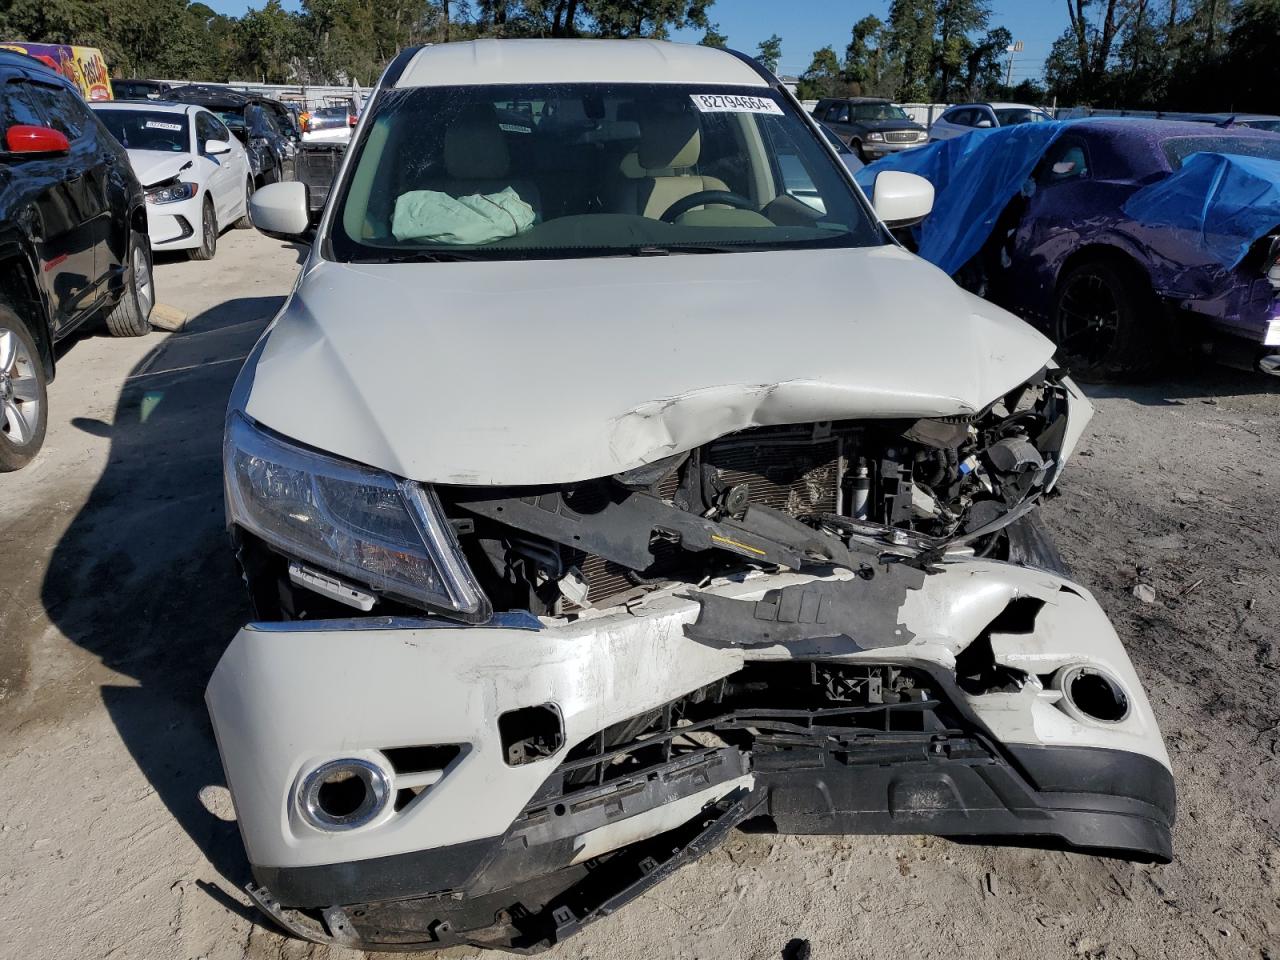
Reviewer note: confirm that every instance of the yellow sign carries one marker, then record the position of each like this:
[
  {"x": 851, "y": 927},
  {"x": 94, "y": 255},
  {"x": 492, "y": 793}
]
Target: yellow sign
[{"x": 83, "y": 66}]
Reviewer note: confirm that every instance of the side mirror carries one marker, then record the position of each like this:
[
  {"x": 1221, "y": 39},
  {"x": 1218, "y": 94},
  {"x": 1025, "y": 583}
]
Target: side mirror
[
  {"x": 901, "y": 199},
  {"x": 984, "y": 124},
  {"x": 215, "y": 147},
  {"x": 25, "y": 138},
  {"x": 280, "y": 210}
]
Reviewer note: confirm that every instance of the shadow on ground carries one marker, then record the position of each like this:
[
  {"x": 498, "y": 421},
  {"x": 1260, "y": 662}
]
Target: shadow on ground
[
  {"x": 1204, "y": 382},
  {"x": 143, "y": 577}
]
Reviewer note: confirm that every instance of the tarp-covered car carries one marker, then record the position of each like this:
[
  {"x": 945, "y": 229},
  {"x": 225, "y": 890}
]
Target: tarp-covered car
[
  {"x": 588, "y": 515},
  {"x": 1113, "y": 233}
]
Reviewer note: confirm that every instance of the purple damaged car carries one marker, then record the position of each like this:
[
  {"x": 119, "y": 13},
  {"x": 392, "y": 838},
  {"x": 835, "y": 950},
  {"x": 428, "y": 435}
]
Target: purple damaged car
[{"x": 1071, "y": 253}]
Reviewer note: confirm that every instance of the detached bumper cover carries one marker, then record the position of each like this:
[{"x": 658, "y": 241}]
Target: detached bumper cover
[{"x": 666, "y": 742}]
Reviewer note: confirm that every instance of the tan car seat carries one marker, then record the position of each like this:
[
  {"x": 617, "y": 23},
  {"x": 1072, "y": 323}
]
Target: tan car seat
[
  {"x": 476, "y": 159},
  {"x": 663, "y": 167}
]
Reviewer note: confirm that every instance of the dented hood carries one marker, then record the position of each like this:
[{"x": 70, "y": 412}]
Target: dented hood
[
  {"x": 533, "y": 372},
  {"x": 157, "y": 166}
]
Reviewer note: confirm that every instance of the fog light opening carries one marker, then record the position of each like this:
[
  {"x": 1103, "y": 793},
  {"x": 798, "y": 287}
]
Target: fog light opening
[
  {"x": 1096, "y": 694},
  {"x": 343, "y": 794}
]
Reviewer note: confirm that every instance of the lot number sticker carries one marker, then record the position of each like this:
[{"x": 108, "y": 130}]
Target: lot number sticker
[
  {"x": 734, "y": 103},
  {"x": 157, "y": 125}
]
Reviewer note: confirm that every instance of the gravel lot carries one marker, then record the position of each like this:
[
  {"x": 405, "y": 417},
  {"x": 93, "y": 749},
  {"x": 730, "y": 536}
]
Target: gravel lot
[{"x": 117, "y": 595}]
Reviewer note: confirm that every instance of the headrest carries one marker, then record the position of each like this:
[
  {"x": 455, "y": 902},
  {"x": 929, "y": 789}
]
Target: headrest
[
  {"x": 669, "y": 139},
  {"x": 474, "y": 147}
]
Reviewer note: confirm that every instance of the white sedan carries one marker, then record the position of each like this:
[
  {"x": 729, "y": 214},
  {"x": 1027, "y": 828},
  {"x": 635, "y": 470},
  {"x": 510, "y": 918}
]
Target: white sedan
[{"x": 195, "y": 172}]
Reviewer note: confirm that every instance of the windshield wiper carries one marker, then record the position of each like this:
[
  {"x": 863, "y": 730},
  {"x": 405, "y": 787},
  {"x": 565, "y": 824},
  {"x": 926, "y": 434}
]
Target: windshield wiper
[
  {"x": 666, "y": 249},
  {"x": 421, "y": 256}
]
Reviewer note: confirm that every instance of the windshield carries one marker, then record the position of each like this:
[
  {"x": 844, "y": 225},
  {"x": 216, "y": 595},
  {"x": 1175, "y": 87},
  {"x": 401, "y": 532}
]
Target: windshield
[
  {"x": 148, "y": 129},
  {"x": 1179, "y": 148},
  {"x": 548, "y": 171},
  {"x": 1271, "y": 126},
  {"x": 877, "y": 111},
  {"x": 328, "y": 117},
  {"x": 1011, "y": 118}
]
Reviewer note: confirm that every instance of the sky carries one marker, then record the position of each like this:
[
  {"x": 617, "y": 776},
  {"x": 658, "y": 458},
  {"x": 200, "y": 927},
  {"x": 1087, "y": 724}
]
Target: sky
[{"x": 807, "y": 25}]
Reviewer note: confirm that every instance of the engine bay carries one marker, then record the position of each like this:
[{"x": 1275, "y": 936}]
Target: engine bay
[{"x": 851, "y": 493}]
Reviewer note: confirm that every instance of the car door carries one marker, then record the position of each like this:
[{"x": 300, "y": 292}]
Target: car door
[
  {"x": 237, "y": 160},
  {"x": 224, "y": 177},
  {"x": 1065, "y": 204},
  {"x": 76, "y": 214}
]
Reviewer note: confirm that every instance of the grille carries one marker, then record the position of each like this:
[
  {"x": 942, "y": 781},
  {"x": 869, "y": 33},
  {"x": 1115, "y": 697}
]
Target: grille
[
  {"x": 797, "y": 475},
  {"x": 900, "y": 136}
]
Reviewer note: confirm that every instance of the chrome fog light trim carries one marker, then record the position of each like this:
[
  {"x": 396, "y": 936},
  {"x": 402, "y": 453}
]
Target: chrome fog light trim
[
  {"x": 343, "y": 794},
  {"x": 1093, "y": 694}
]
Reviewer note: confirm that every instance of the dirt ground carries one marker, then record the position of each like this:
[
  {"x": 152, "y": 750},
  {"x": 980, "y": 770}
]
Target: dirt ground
[{"x": 117, "y": 595}]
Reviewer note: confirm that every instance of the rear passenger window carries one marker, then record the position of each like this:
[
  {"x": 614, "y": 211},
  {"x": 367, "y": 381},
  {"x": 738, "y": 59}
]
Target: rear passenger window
[
  {"x": 62, "y": 110},
  {"x": 16, "y": 107}
]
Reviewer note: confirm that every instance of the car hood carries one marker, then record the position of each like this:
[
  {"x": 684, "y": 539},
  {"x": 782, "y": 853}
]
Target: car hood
[
  {"x": 157, "y": 166},
  {"x": 533, "y": 372}
]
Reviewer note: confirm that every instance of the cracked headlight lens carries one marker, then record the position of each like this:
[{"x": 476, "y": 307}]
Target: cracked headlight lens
[{"x": 352, "y": 520}]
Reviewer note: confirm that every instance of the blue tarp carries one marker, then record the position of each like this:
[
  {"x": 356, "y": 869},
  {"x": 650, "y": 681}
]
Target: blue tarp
[
  {"x": 1231, "y": 201},
  {"x": 988, "y": 168}
]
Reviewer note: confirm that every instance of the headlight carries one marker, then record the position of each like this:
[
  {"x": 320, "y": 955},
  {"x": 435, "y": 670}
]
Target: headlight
[
  {"x": 171, "y": 192},
  {"x": 875, "y": 136},
  {"x": 387, "y": 534}
]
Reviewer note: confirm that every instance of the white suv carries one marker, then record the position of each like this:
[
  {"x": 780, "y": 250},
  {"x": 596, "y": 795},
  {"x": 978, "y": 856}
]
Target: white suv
[
  {"x": 612, "y": 478},
  {"x": 966, "y": 117}
]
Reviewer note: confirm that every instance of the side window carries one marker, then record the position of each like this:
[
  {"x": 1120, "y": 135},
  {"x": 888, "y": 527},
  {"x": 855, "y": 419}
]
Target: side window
[
  {"x": 982, "y": 114},
  {"x": 205, "y": 129},
  {"x": 958, "y": 117},
  {"x": 59, "y": 107},
  {"x": 840, "y": 113},
  {"x": 220, "y": 131},
  {"x": 16, "y": 107},
  {"x": 1067, "y": 160}
]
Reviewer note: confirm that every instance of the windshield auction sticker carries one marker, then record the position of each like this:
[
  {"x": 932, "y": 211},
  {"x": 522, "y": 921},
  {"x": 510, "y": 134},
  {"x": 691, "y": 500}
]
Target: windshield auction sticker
[
  {"x": 734, "y": 103},
  {"x": 160, "y": 125}
]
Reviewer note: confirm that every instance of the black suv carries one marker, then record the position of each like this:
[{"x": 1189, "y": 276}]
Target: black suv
[
  {"x": 870, "y": 126},
  {"x": 265, "y": 126},
  {"x": 73, "y": 241}
]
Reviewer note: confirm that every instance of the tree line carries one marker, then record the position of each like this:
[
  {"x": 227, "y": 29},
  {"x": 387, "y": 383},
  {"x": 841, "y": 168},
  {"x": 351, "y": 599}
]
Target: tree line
[
  {"x": 1153, "y": 54},
  {"x": 325, "y": 41},
  {"x": 1190, "y": 55}
]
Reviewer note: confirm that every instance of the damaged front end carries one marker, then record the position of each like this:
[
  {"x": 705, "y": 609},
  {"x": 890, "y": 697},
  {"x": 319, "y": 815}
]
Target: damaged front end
[{"x": 489, "y": 715}]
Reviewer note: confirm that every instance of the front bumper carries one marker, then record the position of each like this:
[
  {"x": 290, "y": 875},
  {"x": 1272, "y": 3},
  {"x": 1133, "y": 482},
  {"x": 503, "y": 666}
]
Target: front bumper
[
  {"x": 877, "y": 149},
  {"x": 500, "y": 848},
  {"x": 175, "y": 226}
]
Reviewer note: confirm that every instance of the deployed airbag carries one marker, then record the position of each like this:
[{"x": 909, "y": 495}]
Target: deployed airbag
[
  {"x": 479, "y": 218},
  {"x": 1230, "y": 201},
  {"x": 989, "y": 168}
]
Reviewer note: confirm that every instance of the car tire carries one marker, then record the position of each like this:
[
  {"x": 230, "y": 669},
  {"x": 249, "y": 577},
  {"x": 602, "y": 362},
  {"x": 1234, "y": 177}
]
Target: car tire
[
  {"x": 24, "y": 398},
  {"x": 208, "y": 233},
  {"x": 1104, "y": 323},
  {"x": 856, "y": 147},
  {"x": 246, "y": 221},
  {"x": 271, "y": 174},
  {"x": 131, "y": 316}
]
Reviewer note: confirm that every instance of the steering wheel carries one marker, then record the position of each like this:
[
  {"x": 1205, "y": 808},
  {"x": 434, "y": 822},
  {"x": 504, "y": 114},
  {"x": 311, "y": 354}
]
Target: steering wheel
[{"x": 703, "y": 197}]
